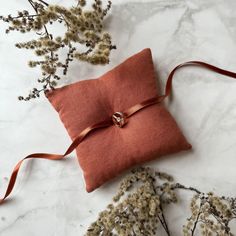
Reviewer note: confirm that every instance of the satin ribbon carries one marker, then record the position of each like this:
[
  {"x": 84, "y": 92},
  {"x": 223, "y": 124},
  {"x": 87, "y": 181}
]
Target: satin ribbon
[{"x": 108, "y": 122}]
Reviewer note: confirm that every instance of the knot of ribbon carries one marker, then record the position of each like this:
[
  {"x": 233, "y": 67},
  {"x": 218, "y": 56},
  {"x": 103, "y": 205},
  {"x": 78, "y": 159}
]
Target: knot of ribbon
[{"x": 118, "y": 118}]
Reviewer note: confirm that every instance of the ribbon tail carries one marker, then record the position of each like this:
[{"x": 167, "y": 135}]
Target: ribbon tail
[
  {"x": 196, "y": 63},
  {"x": 48, "y": 156}
]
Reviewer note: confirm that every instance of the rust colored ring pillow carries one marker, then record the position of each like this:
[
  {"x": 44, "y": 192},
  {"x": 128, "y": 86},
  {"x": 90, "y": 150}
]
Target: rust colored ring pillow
[
  {"x": 117, "y": 120},
  {"x": 148, "y": 134}
]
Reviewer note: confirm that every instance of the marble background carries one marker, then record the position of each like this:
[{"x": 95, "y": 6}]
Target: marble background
[{"x": 50, "y": 198}]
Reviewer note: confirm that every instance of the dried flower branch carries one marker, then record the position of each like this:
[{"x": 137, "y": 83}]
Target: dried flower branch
[
  {"x": 140, "y": 212},
  {"x": 212, "y": 214},
  {"x": 138, "y": 208},
  {"x": 82, "y": 28}
]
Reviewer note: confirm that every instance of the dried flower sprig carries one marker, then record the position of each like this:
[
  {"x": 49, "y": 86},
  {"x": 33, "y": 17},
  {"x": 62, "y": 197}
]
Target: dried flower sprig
[
  {"x": 212, "y": 214},
  {"x": 141, "y": 211},
  {"x": 82, "y": 28},
  {"x": 138, "y": 208}
]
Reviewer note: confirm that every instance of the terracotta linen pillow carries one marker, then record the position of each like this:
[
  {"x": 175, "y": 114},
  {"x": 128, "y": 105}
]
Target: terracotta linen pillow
[{"x": 149, "y": 134}]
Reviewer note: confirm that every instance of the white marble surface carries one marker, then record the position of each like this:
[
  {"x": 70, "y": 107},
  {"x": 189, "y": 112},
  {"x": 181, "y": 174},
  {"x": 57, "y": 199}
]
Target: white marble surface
[{"x": 50, "y": 198}]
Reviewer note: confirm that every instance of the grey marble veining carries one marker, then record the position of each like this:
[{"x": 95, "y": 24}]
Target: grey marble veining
[{"x": 50, "y": 198}]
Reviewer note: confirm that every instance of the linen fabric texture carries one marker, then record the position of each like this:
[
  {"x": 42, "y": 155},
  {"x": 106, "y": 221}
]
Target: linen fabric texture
[{"x": 148, "y": 134}]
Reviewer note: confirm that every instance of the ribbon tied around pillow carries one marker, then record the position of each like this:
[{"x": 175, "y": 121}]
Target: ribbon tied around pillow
[{"x": 118, "y": 118}]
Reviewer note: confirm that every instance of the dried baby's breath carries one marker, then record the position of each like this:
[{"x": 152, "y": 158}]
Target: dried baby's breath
[{"x": 83, "y": 26}]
